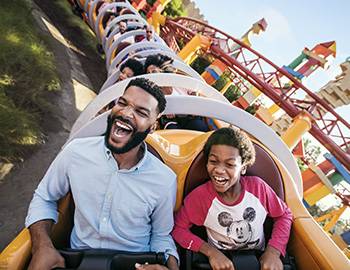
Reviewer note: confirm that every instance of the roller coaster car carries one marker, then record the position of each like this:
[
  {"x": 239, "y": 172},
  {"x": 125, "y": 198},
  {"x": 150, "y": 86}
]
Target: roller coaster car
[{"x": 182, "y": 151}]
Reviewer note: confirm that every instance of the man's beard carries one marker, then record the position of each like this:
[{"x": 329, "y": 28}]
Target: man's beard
[{"x": 135, "y": 139}]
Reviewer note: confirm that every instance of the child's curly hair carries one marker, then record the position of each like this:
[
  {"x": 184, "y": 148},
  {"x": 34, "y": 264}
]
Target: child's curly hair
[
  {"x": 164, "y": 62},
  {"x": 232, "y": 137}
]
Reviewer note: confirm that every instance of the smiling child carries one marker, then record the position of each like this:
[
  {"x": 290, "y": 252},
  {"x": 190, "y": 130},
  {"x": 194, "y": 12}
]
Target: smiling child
[{"x": 233, "y": 207}]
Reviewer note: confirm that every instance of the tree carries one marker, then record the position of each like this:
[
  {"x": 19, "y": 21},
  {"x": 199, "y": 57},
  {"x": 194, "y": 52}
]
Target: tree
[
  {"x": 150, "y": 2},
  {"x": 312, "y": 152},
  {"x": 302, "y": 166},
  {"x": 221, "y": 82},
  {"x": 252, "y": 108},
  {"x": 341, "y": 226},
  {"x": 200, "y": 64},
  {"x": 232, "y": 93},
  {"x": 175, "y": 8}
]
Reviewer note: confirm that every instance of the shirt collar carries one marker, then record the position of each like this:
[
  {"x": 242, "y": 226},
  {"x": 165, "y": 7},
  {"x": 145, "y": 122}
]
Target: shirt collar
[{"x": 109, "y": 155}]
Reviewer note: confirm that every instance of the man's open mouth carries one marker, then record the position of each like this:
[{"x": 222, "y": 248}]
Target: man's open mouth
[{"x": 122, "y": 129}]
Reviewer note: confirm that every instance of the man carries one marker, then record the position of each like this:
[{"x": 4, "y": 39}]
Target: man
[
  {"x": 124, "y": 196},
  {"x": 123, "y": 28},
  {"x": 147, "y": 37},
  {"x": 149, "y": 33}
]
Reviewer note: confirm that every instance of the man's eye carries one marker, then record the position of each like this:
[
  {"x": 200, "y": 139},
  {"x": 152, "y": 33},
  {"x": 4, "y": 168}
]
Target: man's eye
[
  {"x": 142, "y": 113},
  {"x": 212, "y": 161},
  {"x": 121, "y": 103}
]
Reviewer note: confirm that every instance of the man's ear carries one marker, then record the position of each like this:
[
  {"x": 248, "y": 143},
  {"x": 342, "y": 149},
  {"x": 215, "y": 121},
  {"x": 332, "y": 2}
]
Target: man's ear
[{"x": 154, "y": 127}]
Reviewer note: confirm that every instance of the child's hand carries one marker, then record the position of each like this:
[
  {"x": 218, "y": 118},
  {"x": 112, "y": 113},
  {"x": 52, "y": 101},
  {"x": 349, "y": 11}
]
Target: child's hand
[
  {"x": 219, "y": 261},
  {"x": 270, "y": 260}
]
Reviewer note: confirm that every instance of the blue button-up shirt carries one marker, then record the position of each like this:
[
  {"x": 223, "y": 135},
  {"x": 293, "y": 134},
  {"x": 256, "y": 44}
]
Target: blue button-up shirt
[{"x": 115, "y": 208}]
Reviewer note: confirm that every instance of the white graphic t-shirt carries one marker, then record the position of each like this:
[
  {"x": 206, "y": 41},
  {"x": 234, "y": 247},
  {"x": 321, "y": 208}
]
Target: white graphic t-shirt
[{"x": 239, "y": 225}]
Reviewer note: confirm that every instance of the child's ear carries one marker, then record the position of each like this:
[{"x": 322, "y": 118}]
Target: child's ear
[{"x": 243, "y": 170}]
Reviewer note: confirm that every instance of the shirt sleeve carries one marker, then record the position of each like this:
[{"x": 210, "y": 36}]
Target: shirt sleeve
[
  {"x": 281, "y": 215},
  {"x": 53, "y": 186},
  {"x": 193, "y": 212},
  {"x": 162, "y": 223}
]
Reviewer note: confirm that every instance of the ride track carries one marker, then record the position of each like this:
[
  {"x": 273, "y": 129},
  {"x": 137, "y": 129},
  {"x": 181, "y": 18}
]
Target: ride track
[{"x": 329, "y": 128}]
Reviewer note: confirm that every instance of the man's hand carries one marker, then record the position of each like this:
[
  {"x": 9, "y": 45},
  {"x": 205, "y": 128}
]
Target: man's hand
[
  {"x": 147, "y": 266},
  {"x": 270, "y": 260},
  {"x": 46, "y": 259},
  {"x": 217, "y": 260},
  {"x": 44, "y": 254}
]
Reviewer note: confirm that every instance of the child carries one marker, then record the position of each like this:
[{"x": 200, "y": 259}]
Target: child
[
  {"x": 128, "y": 69},
  {"x": 232, "y": 207}
]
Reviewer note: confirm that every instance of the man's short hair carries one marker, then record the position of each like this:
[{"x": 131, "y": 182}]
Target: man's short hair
[
  {"x": 232, "y": 137},
  {"x": 148, "y": 26},
  {"x": 151, "y": 88},
  {"x": 134, "y": 65}
]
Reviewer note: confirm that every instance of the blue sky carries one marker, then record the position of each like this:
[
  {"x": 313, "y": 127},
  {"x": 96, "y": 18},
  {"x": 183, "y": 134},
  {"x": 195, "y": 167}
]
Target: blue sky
[{"x": 292, "y": 25}]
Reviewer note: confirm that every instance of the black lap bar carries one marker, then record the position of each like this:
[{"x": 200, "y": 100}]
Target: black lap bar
[
  {"x": 242, "y": 260},
  {"x": 103, "y": 259}
]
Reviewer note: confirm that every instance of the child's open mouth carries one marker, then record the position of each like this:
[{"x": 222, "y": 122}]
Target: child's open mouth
[{"x": 220, "y": 180}]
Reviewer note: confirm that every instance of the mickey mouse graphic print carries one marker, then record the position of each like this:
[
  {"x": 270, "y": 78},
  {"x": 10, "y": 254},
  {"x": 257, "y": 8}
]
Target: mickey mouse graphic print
[
  {"x": 236, "y": 227},
  {"x": 239, "y": 225}
]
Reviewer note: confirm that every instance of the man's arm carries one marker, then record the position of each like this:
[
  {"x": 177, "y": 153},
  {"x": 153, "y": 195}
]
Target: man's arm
[
  {"x": 44, "y": 254},
  {"x": 162, "y": 224},
  {"x": 42, "y": 213},
  {"x": 53, "y": 186},
  {"x": 172, "y": 263}
]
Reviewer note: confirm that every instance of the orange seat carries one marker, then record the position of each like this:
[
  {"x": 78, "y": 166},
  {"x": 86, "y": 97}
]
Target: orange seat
[{"x": 121, "y": 46}]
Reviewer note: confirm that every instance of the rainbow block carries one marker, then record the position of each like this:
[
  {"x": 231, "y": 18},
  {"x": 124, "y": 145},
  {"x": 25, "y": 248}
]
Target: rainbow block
[
  {"x": 241, "y": 103},
  {"x": 339, "y": 167},
  {"x": 316, "y": 193},
  {"x": 219, "y": 64}
]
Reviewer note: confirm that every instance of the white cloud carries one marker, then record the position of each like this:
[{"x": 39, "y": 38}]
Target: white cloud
[{"x": 278, "y": 26}]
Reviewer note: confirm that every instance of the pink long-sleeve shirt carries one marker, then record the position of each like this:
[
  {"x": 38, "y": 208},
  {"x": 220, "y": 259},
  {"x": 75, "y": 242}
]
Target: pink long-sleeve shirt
[{"x": 234, "y": 226}]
